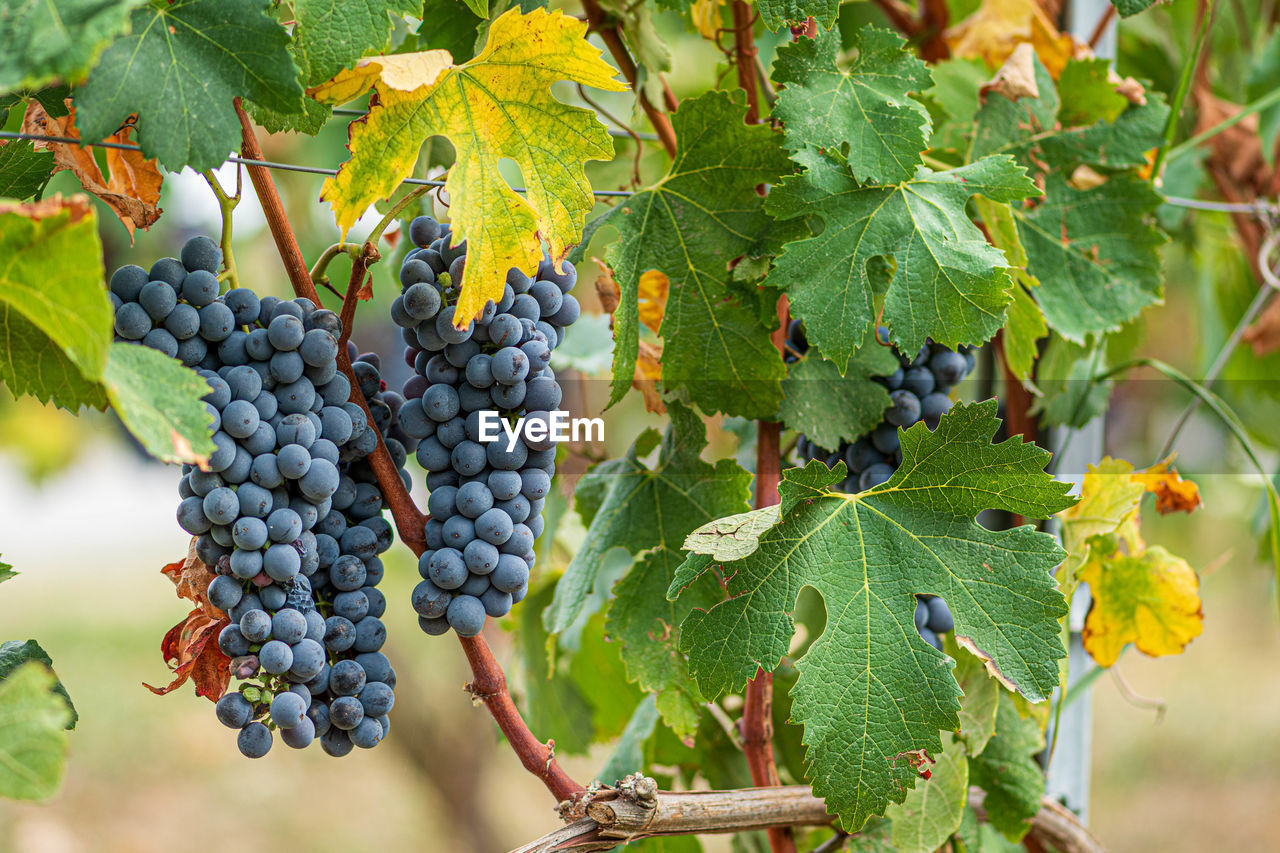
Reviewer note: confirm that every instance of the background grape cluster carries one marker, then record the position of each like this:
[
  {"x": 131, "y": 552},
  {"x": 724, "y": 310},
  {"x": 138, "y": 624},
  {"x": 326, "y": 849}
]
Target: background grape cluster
[
  {"x": 919, "y": 390},
  {"x": 485, "y": 500},
  {"x": 287, "y": 510}
]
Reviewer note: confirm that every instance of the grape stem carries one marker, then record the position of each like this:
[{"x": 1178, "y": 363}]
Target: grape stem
[
  {"x": 489, "y": 682},
  {"x": 757, "y": 710},
  {"x": 226, "y": 204},
  {"x": 317, "y": 274},
  {"x": 608, "y": 32},
  {"x": 360, "y": 264}
]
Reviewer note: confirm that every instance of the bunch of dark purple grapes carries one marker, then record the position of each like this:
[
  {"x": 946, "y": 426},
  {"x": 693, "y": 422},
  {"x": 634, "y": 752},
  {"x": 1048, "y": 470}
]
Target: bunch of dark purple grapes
[
  {"x": 486, "y": 496},
  {"x": 919, "y": 390},
  {"x": 286, "y": 510}
]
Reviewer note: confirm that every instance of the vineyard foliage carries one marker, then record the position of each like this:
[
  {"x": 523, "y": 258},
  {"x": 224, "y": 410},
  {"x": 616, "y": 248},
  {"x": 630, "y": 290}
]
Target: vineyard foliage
[{"x": 981, "y": 184}]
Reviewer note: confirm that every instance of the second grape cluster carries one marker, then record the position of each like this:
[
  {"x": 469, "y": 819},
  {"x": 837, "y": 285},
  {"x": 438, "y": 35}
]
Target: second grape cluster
[{"x": 486, "y": 497}]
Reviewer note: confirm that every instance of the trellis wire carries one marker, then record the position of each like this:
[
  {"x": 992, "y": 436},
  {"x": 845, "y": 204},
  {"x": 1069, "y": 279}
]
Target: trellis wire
[
  {"x": 615, "y": 132},
  {"x": 1259, "y": 208},
  {"x": 245, "y": 161}
]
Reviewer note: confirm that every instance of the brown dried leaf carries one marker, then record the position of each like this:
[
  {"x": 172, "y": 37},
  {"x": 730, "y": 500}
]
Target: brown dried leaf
[
  {"x": 77, "y": 205},
  {"x": 1173, "y": 494},
  {"x": 133, "y": 189},
  {"x": 192, "y": 578},
  {"x": 365, "y": 293},
  {"x": 190, "y": 648},
  {"x": 1264, "y": 334},
  {"x": 607, "y": 289},
  {"x": 1017, "y": 77},
  {"x": 647, "y": 376},
  {"x": 1129, "y": 88}
]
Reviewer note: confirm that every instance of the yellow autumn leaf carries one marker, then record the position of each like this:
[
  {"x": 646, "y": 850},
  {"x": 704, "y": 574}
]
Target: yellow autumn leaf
[
  {"x": 496, "y": 106},
  {"x": 1150, "y": 599},
  {"x": 705, "y": 15},
  {"x": 654, "y": 285},
  {"x": 1109, "y": 497},
  {"x": 1173, "y": 494}
]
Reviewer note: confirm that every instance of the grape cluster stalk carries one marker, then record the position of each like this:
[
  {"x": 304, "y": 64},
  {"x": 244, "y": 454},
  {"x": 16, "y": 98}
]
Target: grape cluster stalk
[
  {"x": 287, "y": 510},
  {"x": 919, "y": 390},
  {"x": 486, "y": 496}
]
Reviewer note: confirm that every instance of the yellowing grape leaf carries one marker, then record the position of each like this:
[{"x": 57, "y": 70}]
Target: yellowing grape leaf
[
  {"x": 1150, "y": 599},
  {"x": 1141, "y": 595},
  {"x": 1173, "y": 494},
  {"x": 496, "y": 106},
  {"x": 654, "y": 285},
  {"x": 998, "y": 26},
  {"x": 1109, "y": 496}
]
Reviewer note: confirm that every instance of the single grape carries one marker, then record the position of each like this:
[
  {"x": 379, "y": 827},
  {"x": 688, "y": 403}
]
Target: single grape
[
  {"x": 940, "y": 619},
  {"x": 367, "y": 733},
  {"x": 905, "y": 410},
  {"x": 510, "y": 574},
  {"x": 201, "y": 253},
  {"x": 345, "y": 712},
  {"x": 288, "y": 710},
  {"x": 466, "y": 615},
  {"x": 933, "y": 407},
  {"x": 254, "y": 740},
  {"x": 132, "y": 321},
  {"x": 127, "y": 282},
  {"x": 430, "y": 600},
  {"x": 949, "y": 367},
  {"x": 234, "y": 711},
  {"x": 447, "y": 568},
  {"x": 281, "y": 562},
  {"x": 276, "y": 657},
  {"x": 874, "y": 476},
  {"x": 289, "y": 626}
]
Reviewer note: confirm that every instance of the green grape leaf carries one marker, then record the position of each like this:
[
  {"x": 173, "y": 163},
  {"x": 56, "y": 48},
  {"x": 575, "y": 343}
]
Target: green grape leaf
[
  {"x": 451, "y": 29},
  {"x": 6, "y": 571},
  {"x": 33, "y": 738},
  {"x": 628, "y": 753},
  {"x": 949, "y": 285},
  {"x": 872, "y": 694},
  {"x": 179, "y": 69},
  {"x": 54, "y": 311},
  {"x": 690, "y": 226},
  {"x": 778, "y": 13},
  {"x": 23, "y": 169},
  {"x": 980, "y": 701},
  {"x": 1094, "y": 251},
  {"x": 863, "y": 109},
  {"x": 830, "y": 408},
  {"x": 933, "y": 809},
  {"x": 1088, "y": 93},
  {"x": 1007, "y": 771},
  {"x": 46, "y": 40},
  {"x": 159, "y": 401},
  {"x": 1068, "y": 395},
  {"x": 31, "y": 363},
  {"x": 1127, "y": 8},
  {"x": 331, "y": 35},
  {"x": 629, "y": 505},
  {"x": 307, "y": 116},
  {"x": 14, "y": 654}
]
